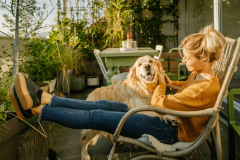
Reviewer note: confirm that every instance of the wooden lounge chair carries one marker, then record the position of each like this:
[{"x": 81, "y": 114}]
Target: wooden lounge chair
[{"x": 225, "y": 67}]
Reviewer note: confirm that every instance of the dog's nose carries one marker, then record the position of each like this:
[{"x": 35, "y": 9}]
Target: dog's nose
[{"x": 147, "y": 67}]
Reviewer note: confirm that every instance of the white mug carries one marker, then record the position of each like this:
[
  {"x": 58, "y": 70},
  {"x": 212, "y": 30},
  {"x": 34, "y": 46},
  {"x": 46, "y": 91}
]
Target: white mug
[
  {"x": 124, "y": 44},
  {"x": 134, "y": 44}
]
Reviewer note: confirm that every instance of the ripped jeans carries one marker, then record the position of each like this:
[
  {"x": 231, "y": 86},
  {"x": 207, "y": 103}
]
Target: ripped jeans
[{"x": 105, "y": 115}]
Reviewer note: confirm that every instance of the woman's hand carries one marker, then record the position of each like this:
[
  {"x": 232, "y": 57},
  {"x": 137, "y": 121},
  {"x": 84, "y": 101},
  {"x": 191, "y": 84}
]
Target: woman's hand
[
  {"x": 161, "y": 78},
  {"x": 168, "y": 81}
]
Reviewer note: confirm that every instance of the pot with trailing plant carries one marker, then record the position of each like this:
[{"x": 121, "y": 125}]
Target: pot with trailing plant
[
  {"x": 41, "y": 64},
  {"x": 10, "y": 125}
]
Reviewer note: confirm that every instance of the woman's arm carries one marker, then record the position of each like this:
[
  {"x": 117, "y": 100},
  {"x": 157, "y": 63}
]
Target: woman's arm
[
  {"x": 178, "y": 83},
  {"x": 189, "y": 99},
  {"x": 175, "y": 83}
]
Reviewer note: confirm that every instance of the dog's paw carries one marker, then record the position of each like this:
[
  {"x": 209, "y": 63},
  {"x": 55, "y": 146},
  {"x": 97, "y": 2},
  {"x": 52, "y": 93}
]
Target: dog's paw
[
  {"x": 120, "y": 143},
  {"x": 174, "y": 120}
]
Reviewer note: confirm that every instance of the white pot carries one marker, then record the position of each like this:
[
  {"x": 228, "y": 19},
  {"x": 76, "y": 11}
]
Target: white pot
[
  {"x": 45, "y": 88},
  {"x": 52, "y": 84},
  {"x": 92, "y": 81}
]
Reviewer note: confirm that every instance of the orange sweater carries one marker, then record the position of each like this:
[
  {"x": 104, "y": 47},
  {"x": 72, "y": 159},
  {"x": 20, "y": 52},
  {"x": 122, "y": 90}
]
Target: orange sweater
[{"x": 193, "y": 95}]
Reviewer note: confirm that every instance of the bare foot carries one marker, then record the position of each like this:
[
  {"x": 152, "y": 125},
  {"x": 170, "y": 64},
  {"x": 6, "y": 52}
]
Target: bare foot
[{"x": 37, "y": 110}]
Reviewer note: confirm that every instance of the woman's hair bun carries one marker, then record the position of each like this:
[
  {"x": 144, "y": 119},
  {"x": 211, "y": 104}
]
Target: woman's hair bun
[
  {"x": 207, "y": 43},
  {"x": 207, "y": 29}
]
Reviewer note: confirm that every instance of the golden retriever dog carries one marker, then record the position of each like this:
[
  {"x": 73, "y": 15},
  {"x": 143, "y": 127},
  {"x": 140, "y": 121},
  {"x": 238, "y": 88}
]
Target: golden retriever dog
[{"x": 135, "y": 91}]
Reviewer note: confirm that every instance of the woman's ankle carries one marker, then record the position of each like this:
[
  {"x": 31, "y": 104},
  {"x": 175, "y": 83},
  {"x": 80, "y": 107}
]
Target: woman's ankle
[
  {"x": 46, "y": 98},
  {"x": 37, "y": 110}
]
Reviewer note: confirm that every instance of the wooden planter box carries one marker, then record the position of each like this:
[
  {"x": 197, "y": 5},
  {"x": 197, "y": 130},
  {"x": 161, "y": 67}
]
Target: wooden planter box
[{"x": 9, "y": 134}]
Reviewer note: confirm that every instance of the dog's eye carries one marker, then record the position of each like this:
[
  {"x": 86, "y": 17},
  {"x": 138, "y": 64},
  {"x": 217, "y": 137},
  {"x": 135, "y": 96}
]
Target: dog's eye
[
  {"x": 150, "y": 61},
  {"x": 139, "y": 64}
]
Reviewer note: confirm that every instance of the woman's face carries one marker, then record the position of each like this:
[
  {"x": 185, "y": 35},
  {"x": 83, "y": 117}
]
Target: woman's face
[{"x": 192, "y": 63}]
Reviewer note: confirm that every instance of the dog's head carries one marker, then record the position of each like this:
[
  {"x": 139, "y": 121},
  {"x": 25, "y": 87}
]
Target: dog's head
[{"x": 145, "y": 73}]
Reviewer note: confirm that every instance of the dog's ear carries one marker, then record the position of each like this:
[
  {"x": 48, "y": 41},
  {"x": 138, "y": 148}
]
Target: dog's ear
[
  {"x": 160, "y": 68},
  {"x": 131, "y": 73}
]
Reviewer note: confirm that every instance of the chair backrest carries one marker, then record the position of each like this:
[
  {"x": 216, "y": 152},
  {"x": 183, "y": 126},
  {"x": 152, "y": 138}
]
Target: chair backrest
[
  {"x": 226, "y": 66},
  {"x": 159, "y": 48},
  {"x": 100, "y": 62}
]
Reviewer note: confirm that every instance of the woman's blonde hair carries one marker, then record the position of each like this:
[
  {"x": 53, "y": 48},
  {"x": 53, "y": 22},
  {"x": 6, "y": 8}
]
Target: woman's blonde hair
[{"x": 208, "y": 43}]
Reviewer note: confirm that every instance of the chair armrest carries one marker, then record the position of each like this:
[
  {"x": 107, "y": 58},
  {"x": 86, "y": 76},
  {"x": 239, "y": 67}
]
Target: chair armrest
[
  {"x": 178, "y": 69},
  {"x": 231, "y": 104},
  {"x": 207, "y": 112}
]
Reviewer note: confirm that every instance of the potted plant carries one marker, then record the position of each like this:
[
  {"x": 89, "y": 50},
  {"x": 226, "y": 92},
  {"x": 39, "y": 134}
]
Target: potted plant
[
  {"x": 10, "y": 125},
  {"x": 67, "y": 58},
  {"x": 90, "y": 61},
  {"x": 79, "y": 75},
  {"x": 68, "y": 55},
  {"x": 93, "y": 78},
  {"x": 52, "y": 52},
  {"x": 41, "y": 64}
]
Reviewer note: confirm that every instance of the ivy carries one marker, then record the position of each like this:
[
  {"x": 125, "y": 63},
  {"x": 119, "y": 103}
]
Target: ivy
[{"x": 148, "y": 31}]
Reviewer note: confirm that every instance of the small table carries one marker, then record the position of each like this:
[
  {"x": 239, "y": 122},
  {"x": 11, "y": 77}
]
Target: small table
[{"x": 115, "y": 58}]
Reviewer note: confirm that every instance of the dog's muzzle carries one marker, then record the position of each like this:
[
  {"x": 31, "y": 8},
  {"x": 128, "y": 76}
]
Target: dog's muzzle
[{"x": 149, "y": 76}]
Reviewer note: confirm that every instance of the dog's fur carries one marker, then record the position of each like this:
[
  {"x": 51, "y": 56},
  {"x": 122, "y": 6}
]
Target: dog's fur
[{"x": 135, "y": 91}]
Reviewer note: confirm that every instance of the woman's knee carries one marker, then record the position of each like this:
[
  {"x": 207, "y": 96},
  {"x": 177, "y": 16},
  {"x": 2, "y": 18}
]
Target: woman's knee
[
  {"x": 102, "y": 102},
  {"x": 112, "y": 106}
]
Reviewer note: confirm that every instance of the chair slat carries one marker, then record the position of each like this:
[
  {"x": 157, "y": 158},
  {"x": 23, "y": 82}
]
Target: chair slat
[{"x": 223, "y": 63}]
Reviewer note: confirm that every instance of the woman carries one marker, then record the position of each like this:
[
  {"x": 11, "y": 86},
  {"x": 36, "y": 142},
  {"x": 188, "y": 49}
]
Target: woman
[{"x": 199, "y": 92}]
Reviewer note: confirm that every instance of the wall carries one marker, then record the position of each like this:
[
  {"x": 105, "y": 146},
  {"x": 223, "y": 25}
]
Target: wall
[
  {"x": 199, "y": 13},
  {"x": 231, "y": 25},
  {"x": 4, "y": 40}
]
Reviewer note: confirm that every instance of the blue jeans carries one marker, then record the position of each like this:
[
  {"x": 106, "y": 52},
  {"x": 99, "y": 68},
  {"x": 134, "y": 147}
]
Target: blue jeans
[{"x": 105, "y": 115}]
